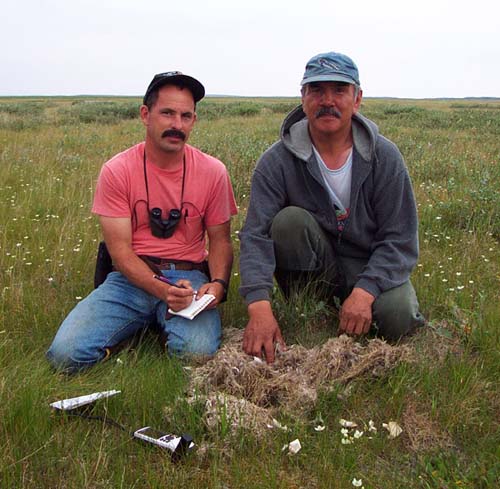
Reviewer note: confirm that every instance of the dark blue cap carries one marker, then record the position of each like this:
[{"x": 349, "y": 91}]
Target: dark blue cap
[
  {"x": 331, "y": 67},
  {"x": 176, "y": 78}
]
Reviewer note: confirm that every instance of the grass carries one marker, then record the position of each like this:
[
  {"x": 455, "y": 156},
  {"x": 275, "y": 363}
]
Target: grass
[{"x": 51, "y": 150}]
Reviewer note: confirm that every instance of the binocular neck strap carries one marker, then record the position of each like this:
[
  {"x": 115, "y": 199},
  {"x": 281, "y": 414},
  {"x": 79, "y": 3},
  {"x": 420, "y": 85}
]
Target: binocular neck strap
[{"x": 146, "y": 180}]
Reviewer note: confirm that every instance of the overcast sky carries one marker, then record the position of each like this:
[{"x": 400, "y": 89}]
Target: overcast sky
[{"x": 418, "y": 49}]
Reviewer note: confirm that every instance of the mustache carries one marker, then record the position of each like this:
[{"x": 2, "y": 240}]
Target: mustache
[
  {"x": 173, "y": 133},
  {"x": 328, "y": 111}
]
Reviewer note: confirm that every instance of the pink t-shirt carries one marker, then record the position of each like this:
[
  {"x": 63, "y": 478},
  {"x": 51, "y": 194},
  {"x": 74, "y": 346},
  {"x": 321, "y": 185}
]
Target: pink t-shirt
[{"x": 208, "y": 200}]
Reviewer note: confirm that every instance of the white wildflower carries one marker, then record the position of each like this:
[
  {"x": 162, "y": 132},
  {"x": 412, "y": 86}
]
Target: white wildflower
[
  {"x": 276, "y": 424},
  {"x": 348, "y": 424}
]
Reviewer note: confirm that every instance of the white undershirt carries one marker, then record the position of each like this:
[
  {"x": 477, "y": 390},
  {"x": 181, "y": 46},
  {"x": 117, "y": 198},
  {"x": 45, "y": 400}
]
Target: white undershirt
[{"x": 338, "y": 182}]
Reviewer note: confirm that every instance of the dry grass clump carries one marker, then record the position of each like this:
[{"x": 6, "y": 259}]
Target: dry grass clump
[
  {"x": 244, "y": 392},
  {"x": 434, "y": 343},
  {"x": 293, "y": 381},
  {"x": 236, "y": 413},
  {"x": 422, "y": 433}
]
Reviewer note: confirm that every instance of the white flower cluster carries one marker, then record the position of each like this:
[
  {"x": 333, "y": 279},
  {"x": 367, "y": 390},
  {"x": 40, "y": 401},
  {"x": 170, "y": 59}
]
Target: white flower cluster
[{"x": 350, "y": 432}]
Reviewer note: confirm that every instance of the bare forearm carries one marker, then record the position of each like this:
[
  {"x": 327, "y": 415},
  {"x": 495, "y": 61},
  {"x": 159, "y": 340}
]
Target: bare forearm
[
  {"x": 137, "y": 272},
  {"x": 142, "y": 276},
  {"x": 220, "y": 259},
  {"x": 117, "y": 235}
]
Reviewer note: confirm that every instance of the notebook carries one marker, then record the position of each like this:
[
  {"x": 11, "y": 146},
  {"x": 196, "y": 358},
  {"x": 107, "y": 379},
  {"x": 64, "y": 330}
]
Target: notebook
[{"x": 195, "y": 307}]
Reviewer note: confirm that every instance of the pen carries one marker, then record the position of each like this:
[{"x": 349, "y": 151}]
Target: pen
[{"x": 165, "y": 280}]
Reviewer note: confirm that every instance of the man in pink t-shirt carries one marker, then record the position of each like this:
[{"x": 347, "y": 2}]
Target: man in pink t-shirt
[{"x": 157, "y": 202}]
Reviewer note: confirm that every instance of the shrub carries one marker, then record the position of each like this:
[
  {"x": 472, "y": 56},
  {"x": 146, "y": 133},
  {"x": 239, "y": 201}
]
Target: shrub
[{"x": 88, "y": 111}]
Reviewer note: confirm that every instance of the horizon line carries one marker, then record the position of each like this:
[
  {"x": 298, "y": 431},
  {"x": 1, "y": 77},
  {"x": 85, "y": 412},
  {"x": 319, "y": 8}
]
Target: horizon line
[{"x": 468, "y": 97}]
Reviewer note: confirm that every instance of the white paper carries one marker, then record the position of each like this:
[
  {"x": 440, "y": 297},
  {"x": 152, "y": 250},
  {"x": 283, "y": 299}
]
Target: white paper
[
  {"x": 195, "y": 307},
  {"x": 294, "y": 447},
  {"x": 74, "y": 402},
  {"x": 393, "y": 428}
]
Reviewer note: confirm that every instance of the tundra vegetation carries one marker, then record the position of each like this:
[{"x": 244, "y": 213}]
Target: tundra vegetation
[{"x": 441, "y": 387}]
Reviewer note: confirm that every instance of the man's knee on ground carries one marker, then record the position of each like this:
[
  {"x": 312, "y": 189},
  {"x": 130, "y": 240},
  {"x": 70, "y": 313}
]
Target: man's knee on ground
[
  {"x": 396, "y": 312},
  {"x": 396, "y": 318},
  {"x": 69, "y": 359},
  {"x": 180, "y": 347},
  {"x": 287, "y": 222}
]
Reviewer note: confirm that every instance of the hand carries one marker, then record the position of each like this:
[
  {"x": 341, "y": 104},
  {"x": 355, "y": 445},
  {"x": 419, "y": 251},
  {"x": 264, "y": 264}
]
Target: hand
[
  {"x": 356, "y": 312},
  {"x": 214, "y": 288},
  {"x": 180, "y": 297},
  {"x": 262, "y": 331}
]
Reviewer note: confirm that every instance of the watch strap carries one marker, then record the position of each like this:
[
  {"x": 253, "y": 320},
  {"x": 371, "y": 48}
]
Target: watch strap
[{"x": 222, "y": 282}]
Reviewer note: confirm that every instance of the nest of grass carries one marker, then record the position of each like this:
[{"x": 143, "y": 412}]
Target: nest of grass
[
  {"x": 253, "y": 389},
  {"x": 239, "y": 391},
  {"x": 234, "y": 413}
]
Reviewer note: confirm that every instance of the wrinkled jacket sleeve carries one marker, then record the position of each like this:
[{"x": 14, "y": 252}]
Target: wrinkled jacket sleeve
[
  {"x": 394, "y": 248},
  {"x": 267, "y": 198}
]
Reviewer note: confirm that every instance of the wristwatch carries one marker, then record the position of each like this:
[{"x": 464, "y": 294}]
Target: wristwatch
[{"x": 222, "y": 282}]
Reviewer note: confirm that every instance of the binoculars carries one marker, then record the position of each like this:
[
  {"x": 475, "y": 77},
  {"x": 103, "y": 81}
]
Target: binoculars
[{"x": 163, "y": 228}]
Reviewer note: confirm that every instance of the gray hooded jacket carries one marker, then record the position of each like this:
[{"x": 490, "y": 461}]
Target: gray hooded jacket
[{"x": 382, "y": 222}]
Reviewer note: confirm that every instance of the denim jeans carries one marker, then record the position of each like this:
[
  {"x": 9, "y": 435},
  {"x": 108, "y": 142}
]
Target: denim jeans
[
  {"x": 304, "y": 253},
  {"x": 117, "y": 310}
]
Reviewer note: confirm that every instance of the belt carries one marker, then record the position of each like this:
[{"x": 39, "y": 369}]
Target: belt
[{"x": 169, "y": 264}]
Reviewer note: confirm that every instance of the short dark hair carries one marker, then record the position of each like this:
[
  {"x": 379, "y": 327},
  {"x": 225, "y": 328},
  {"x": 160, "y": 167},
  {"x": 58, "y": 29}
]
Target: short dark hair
[{"x": 152, "y": 97}]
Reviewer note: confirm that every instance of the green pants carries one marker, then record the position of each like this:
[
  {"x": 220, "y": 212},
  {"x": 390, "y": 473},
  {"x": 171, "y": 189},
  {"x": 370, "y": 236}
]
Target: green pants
[{"x": 304, "y": 253}]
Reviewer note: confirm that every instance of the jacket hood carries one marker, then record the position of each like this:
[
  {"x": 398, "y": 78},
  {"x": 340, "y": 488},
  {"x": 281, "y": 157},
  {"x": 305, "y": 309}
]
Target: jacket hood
[{"x": 295, "y": 135}]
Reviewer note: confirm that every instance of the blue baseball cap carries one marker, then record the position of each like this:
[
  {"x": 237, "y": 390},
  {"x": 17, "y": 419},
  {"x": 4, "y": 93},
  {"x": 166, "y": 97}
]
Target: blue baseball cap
[{"x": 331, "y": 67}]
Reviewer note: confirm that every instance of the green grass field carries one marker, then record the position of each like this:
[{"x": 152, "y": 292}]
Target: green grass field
[{"x": 51, "y": 150}]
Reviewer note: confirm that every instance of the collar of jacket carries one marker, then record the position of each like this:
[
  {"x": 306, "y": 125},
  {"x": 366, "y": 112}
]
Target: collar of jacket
[{"x": 295, "y": 135}]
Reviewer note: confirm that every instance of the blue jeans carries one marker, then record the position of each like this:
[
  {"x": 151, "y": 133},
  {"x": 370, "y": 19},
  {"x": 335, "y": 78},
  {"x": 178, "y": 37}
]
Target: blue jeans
[{"x": 117, "y": 310}]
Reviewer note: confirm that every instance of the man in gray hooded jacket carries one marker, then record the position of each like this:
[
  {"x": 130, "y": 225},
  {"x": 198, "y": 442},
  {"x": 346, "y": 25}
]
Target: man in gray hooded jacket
[{"x": 331, "y": 203}]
